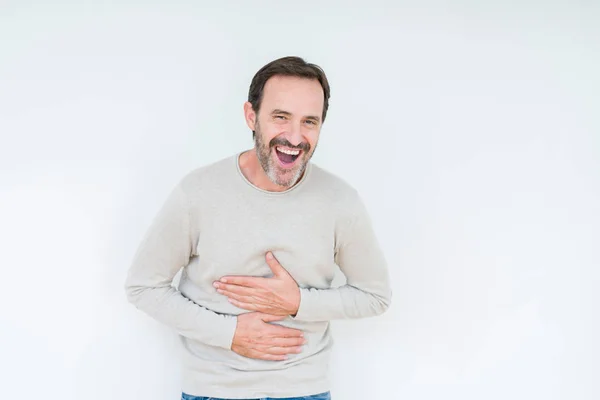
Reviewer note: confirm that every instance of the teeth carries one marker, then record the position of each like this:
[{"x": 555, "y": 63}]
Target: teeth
[{"x": 290, "y": 152}]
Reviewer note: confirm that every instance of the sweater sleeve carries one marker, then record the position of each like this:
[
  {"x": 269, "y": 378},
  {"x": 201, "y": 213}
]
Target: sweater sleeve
[
  {"x": 166, "y": 247},
  {"x": 367, "y": 291}
]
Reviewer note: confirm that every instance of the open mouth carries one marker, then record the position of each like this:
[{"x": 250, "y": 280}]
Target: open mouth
[{"x": 287, "y": 156}]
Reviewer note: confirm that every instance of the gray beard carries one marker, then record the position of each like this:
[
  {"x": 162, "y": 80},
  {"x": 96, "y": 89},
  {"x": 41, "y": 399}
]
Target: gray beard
[{"x": 263, "y": 152}]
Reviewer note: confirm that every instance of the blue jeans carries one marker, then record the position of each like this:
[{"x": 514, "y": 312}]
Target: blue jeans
[{"x": 320, "y": 396}]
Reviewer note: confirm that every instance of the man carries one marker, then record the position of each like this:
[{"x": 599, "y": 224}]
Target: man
[{"x": 260, "y": 235}]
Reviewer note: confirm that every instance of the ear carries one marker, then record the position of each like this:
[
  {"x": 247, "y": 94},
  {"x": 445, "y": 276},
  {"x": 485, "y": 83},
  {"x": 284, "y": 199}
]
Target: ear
[{"x": 250, "y": 115}]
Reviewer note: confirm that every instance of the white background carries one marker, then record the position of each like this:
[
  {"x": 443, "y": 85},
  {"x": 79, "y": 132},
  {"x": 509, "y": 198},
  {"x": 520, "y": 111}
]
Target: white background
[{"x": 472, "y": 131}]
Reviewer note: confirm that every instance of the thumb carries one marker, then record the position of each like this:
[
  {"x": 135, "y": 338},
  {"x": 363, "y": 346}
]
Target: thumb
[
  {"x": 277, "y": 269},
  {"x": 271, "y": 318}
]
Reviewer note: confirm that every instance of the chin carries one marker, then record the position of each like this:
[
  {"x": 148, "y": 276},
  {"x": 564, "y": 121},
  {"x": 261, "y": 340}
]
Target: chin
[{"x": 286, "y": 178}]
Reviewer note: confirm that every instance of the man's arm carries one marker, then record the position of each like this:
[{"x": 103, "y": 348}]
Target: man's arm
[
  {"x": 167, "y": 246},
  {"x": 367, "y": 291}
]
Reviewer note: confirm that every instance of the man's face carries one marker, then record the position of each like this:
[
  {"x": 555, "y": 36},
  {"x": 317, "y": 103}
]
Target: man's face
[{"x": 287, "y": 127}]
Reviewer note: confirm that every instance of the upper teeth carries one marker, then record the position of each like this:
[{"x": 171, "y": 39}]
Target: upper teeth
[{"x": 290, "y": 152}]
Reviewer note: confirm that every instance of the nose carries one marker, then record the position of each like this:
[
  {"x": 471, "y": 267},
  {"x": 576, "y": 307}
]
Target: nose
[{"x": 295, "y": 134}]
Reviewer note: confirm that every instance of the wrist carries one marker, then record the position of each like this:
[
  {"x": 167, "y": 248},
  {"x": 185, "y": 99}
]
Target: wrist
[{"x": 295, "y": 303}]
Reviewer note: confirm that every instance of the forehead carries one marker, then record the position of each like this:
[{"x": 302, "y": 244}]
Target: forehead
[{"x": 293, "y": 94}]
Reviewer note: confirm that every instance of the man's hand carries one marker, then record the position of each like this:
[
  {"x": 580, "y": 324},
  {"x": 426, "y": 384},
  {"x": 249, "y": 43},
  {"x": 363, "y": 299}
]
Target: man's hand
[
  {"x": 256, "y": 338},
  {"x": 278, "y": 295}
]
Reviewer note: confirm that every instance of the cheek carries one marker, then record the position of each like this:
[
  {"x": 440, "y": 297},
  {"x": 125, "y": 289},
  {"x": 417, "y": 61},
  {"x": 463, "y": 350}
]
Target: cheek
[
  {"x": 312, "y": 139},
  {"x": 269, "y": 131}
]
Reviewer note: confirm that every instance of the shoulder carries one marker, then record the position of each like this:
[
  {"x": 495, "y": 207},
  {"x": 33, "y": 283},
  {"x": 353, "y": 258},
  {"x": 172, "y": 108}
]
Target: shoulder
[
  {"x": 351, "y": 217},
  {"x": 207, "y": 177},
  {"x": 336, "y": 190}
]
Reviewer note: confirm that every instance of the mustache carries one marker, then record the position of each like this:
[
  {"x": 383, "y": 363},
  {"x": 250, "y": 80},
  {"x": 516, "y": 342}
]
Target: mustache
[{"x": 277, "y": 141}]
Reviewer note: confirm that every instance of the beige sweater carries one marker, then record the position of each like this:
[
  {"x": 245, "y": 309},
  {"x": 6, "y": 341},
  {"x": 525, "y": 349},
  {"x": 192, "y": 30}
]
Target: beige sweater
[{"x": 216, "y": 223}]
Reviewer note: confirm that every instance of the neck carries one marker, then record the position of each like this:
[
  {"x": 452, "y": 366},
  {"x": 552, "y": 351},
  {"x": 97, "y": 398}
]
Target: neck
[{"x": 254, "y": 173}]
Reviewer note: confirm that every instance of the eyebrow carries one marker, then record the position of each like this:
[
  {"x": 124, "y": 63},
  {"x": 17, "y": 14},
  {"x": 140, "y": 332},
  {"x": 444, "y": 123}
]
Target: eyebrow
[{"x": 277, "y": 111}]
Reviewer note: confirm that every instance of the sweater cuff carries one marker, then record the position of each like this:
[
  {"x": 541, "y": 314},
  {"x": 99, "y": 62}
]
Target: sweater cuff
[
  {"x": 308, "y": 305},
  {"x": 224, "y": 338}
]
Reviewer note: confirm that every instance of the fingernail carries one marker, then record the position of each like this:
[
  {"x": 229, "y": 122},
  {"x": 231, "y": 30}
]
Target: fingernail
[
  {"x": 269, "y": 255},
  {"x": 216, "y": 284},
  {"x": 223, "y": 280}
]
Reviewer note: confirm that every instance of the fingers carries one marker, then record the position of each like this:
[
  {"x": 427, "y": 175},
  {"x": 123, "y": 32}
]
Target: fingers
[
  {"x": 258, "y": 354},
  {"x": 266, "y": 352},
  {"x": 245, "y": 281},
  {"x": 272, "y": 357},
  {"x": 246, "y": 306},
  {"x": 289, "y": 342},
  {"x": 238, "y": 297},
  {"x": 256, "y": 337},
  {"x": 277, "y": 269},
  {"x": 269, "y": 357},
  {"x": 254, "y": 302},
  {"x": 284, "y": 332},
  {"x": 234, "y": 288},
  {"x": 273, "y": 352},
  {"x": 280, "y": 351},
  {"x": 243, "y": 293}
]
